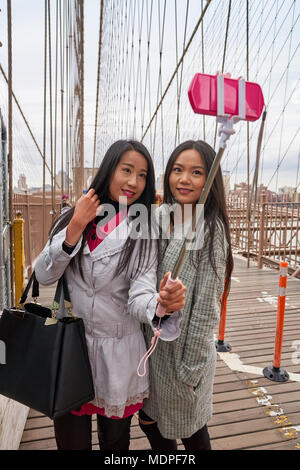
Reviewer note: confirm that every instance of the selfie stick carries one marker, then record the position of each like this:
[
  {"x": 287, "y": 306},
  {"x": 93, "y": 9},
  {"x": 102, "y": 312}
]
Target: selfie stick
[{"x": 226, "y": 130}]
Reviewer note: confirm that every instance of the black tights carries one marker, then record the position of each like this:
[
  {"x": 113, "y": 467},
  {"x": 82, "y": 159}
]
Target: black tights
[
  {"x": 74, "y": 432},
  {"x": 198, "y": 441}
]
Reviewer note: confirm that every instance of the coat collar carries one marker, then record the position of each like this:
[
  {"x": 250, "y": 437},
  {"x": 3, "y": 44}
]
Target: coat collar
[{"x": 113, "y": 243}]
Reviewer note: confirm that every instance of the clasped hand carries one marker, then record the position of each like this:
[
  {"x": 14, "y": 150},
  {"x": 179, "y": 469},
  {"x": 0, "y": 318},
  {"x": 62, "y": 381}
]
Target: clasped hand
[{"x": 171, "y": 297}]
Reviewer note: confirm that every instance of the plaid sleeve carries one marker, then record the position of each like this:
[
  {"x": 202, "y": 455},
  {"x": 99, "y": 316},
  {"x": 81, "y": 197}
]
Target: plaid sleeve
[{"x": 205, "y": 312}]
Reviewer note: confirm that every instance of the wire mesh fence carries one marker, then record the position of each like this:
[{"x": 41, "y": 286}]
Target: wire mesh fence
[{"x": 4, "y": 225}]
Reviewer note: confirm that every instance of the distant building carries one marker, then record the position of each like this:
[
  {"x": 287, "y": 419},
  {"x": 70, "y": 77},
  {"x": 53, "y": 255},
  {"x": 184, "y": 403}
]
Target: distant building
[
  {"x": 288, "y": 191},
  {"x": 226, "y": 181},
  {"x": 160, "y": 184},
  {"x": 241, "y": 189},
  {"x": 66, "y": 180}
]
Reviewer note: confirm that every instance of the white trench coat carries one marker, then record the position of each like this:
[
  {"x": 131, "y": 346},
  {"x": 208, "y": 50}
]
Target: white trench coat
[{"x": 112, "y": 310}]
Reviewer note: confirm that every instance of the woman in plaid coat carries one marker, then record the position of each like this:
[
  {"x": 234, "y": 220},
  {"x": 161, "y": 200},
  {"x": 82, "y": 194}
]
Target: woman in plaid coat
[{"x": 182, "y": 371}]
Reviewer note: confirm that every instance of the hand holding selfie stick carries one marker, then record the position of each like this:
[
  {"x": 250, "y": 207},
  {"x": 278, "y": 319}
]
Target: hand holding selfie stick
[{"x": 230, "y": 100}]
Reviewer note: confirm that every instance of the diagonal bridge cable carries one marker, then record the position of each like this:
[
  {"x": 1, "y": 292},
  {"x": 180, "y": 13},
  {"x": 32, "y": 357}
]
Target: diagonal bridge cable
[{"x": 177, "y": 66}]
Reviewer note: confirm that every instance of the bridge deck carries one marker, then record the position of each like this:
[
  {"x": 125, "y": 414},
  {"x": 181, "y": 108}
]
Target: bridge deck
[{"x": 250, "y": 411}]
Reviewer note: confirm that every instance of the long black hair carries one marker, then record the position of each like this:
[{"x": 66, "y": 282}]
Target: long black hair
[
  {"x": 215, "y": 205},
  {"x": 101, "y": 184}
]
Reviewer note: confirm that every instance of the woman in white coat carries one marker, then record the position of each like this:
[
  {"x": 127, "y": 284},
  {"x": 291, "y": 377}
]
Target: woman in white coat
[{"x": 111, "y": 276}]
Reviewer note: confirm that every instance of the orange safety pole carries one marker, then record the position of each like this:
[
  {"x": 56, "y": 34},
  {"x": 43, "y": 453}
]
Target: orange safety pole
[
  {"x": 274, "y": 372},
  {"x": 221, "y": 345}
]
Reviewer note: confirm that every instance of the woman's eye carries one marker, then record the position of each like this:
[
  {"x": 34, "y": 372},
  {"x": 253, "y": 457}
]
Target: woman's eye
[
  {"x": 197, "y": 172},
  {"x": 177, "y": 169},
  {"x": 143, "y": 175},
  {"x": 127, "y": 170}
]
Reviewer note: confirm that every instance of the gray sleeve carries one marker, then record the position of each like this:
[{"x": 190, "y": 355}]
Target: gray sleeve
[
  {"x": 53, "y": 260},
  {"x": 142, "y": 301}
]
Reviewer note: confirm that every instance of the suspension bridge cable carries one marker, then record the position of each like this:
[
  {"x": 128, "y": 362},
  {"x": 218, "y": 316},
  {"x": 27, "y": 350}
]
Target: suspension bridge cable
[
  {"x": 274, "y": 91},
  {"x": 178, "y": 65},
  {"x": 55, "y": 104},
  {"x": 224, "y": 55},
  {"x": 98, "y": 81},
  {"x": 50, "y": 106},
  {"x": 202, "y": 57},
  {"x": 62, "y": 79},
  {"x": 10, "y": 144},
  {"x": 159, "y": 83},
  {"x": 181, "y": 73},
  {"x": 26, "y": 122},
  {"x": 285, "y": 93},
  {"x": 285, "y": 154},
  {"x": 45, "y": 128}
]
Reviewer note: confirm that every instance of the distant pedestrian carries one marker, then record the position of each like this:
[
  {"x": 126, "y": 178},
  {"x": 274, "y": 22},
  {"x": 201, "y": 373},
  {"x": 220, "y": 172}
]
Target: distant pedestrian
[{"x": 65, "y": 205}]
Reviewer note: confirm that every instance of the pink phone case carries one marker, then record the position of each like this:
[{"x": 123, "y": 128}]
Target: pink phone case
[{"x": 204, "y": 100}]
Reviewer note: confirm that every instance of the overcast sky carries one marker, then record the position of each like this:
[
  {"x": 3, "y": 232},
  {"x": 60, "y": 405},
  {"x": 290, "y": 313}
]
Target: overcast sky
[{"x": 28, "y": 51}]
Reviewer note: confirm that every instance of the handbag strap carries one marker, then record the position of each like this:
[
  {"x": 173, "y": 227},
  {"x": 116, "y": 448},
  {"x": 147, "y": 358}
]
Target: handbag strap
[
  {"x": 35, "y": 289},
  {"x": 61, "y": 286}
]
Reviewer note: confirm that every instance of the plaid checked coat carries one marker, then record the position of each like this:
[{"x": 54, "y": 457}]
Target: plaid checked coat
[{"x": 189, "y": 360}]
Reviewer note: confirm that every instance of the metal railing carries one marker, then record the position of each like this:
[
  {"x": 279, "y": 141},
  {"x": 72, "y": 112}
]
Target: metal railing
[
  {"x": 273, "y": 232},
  {"x": 31, "y": 208}
]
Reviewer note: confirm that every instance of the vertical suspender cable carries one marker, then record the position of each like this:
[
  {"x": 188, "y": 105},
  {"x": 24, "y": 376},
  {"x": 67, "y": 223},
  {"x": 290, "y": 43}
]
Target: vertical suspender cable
[
  {"x": 68, "y": 96},
  {"x": 248, "y": 149},
  {"x": 50, "y": 109},
  {"x": 224, "y": 55},
  {"x": 81, "y": 86},
  {"x": 177, "y": 67},
  {"x": 55, "y": 110},
  {"x": 62, "y": 79},
  {"x": 202, "y": 46},
  {"x": 26, "y": 122},
  {"x": 98, "y": 82},
  {"x": 44, "y": 133},
  {"x": 181, "y": 74},
  {"x": 10, "y": 146}
]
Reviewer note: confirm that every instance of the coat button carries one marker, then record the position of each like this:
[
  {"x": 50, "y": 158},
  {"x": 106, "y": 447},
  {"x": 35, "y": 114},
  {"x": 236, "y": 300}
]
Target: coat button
[
  {"x": 89, "y": 293},
  {"x": 105, "y": 260}
]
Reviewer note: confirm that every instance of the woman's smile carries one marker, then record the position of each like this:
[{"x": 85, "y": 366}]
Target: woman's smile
[
  {"x": 184, "y": 191},
  {"x": 131, "y": 171},
  {"x": 187, "y": 177},
  {"x": 128, "y": 193}
]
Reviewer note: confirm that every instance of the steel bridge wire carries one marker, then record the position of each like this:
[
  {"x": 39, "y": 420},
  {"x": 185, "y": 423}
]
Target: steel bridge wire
[
  {"x": 180, "y": 61},
  {"x": 224, "y": 54},
  {"x": 285, "y": 154},
  {"x": 260, "y": 33},
  {"x": 290, "y": 97},
  {"x": 26, "y": 122},
  {"x": 255, "y": 127},
  {"x": 45, "y": 128},
  {"x": 181, "y": 73},
  {"x": 98, "y": 82},
  {"x": 159, "y": 84},
  {"x": 285, "y": 92},
  {"x": 51, "y": 116},
  {"x": 55, "y": 106}
]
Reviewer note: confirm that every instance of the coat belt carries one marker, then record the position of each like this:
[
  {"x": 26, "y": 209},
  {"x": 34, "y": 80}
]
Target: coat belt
[{"x": 112, "y": 330}]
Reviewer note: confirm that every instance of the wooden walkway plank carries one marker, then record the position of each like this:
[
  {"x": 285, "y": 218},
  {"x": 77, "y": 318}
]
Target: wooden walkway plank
[{"x": 250, "y": 411}]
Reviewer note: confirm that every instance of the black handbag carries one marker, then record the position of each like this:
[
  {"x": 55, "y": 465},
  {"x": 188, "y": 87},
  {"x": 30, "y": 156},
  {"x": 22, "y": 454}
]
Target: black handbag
[{"x": 47, "y": 365}]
